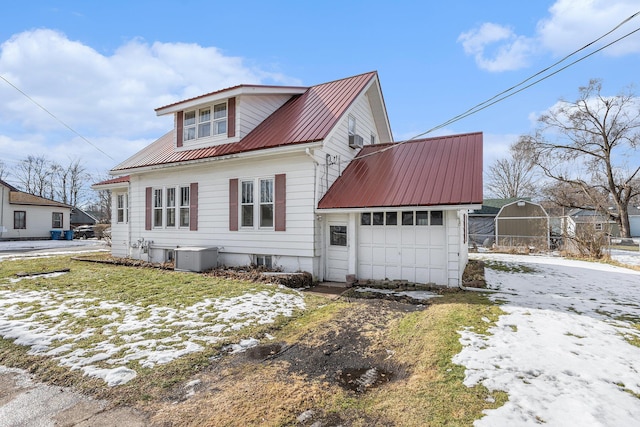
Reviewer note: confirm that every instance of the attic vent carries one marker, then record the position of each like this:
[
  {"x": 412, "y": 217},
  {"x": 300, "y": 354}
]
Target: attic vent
[{"x": 355, "y": 141}]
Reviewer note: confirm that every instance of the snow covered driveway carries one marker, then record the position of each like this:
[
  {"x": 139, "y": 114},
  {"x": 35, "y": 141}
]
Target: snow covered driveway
[{"x": 562, "y": 351}]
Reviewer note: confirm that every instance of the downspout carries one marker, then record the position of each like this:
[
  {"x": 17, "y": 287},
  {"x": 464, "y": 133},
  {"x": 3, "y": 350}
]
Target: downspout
[
  {"x": 128, "y": 220},
  {"x": 315, "y": 216}
]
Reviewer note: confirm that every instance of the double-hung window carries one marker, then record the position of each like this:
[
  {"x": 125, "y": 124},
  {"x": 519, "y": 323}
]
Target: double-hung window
[
  {"x": 19, "y": 220},
  {"x": 122, "y": 210},
  {"x": 246, "y": 203},
  {"x": 171, "y": 207},
  {"x": 220, "y": 119},
  {"x": 257, "y": 208},
  {"x": 189, "y": 125},
  {"x": 184, "y": 206},
  {"x": 266, "y": 203},
  {"x": 201, "y": 123},
  {"x": 204, "y": 122},
  {"x": 158, "y": 207},
  {"x": 56, "y": 220}
]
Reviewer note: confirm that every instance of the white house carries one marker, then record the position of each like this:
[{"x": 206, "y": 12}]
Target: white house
[
  {"x": 302, "y": 178},
  {"x": 24, "y": 216}
]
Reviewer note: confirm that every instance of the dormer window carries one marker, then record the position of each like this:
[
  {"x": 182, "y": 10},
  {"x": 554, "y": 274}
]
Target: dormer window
[{"x": 201, "y": 124}]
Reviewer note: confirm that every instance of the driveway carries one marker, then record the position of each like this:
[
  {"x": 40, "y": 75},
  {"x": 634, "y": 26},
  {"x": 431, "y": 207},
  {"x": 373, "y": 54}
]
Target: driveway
[{"x": 10, "y": 249}]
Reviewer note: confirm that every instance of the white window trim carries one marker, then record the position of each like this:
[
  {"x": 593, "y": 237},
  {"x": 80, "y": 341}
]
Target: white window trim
[
  {"x": 351, "y": 130},
  {"x": 257, "y": 203},
  {"x": 177, "y": 207},
  {"x": 124, "y": 208},
  {"x": 213, "y": 123}
]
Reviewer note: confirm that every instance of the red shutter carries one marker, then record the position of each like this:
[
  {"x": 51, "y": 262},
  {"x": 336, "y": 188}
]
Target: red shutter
[
  {"x": 281, "y": 202},
  {"x": 231, "y": 118},
  {"x": 233, "y": 204},
  {"x": 147, "y": 208},
  {"x": 179, "y": 128},
  {"x": 193, "y": 207}
]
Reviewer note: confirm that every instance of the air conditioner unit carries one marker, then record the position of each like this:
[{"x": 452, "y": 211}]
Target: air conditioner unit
[
  {"x": 195, "y": 259},
  {"x": 355, "y": 141}
]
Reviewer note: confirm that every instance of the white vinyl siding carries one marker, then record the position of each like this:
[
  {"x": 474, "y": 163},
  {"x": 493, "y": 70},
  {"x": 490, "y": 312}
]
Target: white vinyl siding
[
  {"x": 213, "y": 210},
  {"x": 252, "y": 110},
  {"x": 337, "y": 144}
]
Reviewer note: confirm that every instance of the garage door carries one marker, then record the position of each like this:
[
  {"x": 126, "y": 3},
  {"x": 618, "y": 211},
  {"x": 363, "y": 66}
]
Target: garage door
[{"x": 409, "y": 245}]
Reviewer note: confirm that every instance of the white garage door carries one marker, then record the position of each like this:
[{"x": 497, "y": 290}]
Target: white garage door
[{"x": 409, "y": 245}]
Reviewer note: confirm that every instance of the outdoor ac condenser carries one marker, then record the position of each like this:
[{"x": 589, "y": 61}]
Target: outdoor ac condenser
[{"x": 195, "y": 259}]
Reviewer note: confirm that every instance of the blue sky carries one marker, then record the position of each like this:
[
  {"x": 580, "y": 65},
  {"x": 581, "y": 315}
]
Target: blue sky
[{"x": 102, "y": 67}]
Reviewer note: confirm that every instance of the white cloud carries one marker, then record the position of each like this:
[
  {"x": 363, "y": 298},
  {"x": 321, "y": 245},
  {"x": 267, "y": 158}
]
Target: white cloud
[
  {"x": 512, "y": 52},
  {"x": 109, "y": 99},
  {"x": 570, "y": 25},
  {"x": 574, "y": 23}
]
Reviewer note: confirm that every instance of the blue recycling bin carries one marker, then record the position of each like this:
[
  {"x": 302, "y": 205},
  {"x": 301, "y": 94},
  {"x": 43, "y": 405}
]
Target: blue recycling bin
[
  {"x": 68, "y": 234},
  {"x": 56, "y": 234}
]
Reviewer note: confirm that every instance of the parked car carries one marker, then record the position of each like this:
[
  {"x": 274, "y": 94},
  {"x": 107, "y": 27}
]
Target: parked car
[{"x": 84, "y": 232}]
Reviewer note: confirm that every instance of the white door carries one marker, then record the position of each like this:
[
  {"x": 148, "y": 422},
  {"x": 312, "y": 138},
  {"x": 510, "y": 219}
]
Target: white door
[{"x": 337, "y": 264}]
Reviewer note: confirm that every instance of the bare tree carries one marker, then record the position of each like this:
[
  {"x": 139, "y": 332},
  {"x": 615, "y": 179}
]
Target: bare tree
[
  {"x": 585, "y": 145},
  {"x": 70, "y": 180},
  {"x": 35, "y": 176},
  {"x": 4, "y": 171},
  {"x": 513, "y": 176}
]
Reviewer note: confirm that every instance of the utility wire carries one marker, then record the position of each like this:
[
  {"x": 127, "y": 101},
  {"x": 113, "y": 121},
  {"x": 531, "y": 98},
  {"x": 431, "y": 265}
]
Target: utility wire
[
  {"x": 477, "y": 107},
  {"x": 511, "y": 91},
  {"x": 55, "y": 117}
]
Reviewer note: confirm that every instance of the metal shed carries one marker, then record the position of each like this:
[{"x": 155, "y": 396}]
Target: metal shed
[{"x": 523, "y": 224}]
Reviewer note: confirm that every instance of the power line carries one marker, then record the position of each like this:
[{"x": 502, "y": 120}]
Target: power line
[
  {"x": 477, "y": 107},
  {"x": 55, "y": 117},
  {"x": 511, "y": 91}
]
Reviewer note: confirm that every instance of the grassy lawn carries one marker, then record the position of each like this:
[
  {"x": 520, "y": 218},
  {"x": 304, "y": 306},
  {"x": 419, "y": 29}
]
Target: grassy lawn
[{"x": 169, "y": 329}]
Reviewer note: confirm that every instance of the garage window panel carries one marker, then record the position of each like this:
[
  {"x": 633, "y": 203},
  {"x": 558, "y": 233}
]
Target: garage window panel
[
  {"x": 391, "y": 218},
  {"x": 437, "y": 218},
  {"x": 407, "y": 218},
  {"x": 422, "y": 218},
  {"x": 378, "y": 218},
  {"x": 365, "y": 218}
]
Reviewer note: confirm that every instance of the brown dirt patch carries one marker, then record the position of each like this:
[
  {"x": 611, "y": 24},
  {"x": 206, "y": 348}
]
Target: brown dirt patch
[{"x": 280, "y": 383}]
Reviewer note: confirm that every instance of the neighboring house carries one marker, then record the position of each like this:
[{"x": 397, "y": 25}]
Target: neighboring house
[
  {"x": 523, "y": 223},
  {"x": 589, "y": 221},
  {"x": 300, "y": 178},
  {"x": 80, "y": 217},
  {"x": 24, "y": 216}
]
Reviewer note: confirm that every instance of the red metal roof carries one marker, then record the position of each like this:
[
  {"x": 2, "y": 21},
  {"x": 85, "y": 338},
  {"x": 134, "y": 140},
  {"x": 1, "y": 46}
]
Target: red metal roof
[
  {"x": 118, "y": 180},
  {"x": 304, "y": 118},
  {"x": 426, "y": 172},
  {"x": 229, "y": 89}
]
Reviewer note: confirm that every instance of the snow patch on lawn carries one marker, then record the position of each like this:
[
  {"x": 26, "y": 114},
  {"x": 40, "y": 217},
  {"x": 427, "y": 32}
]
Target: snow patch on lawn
[
  {"x": 561, "y": 350},
  {"x": 48, "y": 323}
]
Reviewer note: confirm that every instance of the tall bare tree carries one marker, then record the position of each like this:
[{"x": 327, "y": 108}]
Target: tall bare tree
[
  {"x": 513, "y": 176},
  {"x": 586, "y": 145},
  {"x": 4, "y": 170},
  {"x": 35, "y": 176}
]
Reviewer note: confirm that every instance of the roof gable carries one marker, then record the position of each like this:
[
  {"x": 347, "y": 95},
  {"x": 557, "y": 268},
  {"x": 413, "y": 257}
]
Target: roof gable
[
  {"x": 305, "y": 118},
  {"x": 426, "y": 172}
]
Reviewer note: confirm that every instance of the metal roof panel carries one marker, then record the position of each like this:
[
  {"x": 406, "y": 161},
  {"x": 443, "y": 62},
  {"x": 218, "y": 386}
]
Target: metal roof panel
[{"x": 427, "y": 172}]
